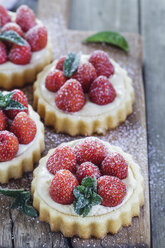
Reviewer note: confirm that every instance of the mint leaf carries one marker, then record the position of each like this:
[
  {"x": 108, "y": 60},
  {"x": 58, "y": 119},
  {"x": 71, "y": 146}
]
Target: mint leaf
[
  {"x": 109, "y": 37},
  {"x": 15, "y": 105},
  {"x": 21, "y": 199},
  {"x": 6, "y": 102},
  {"x": 71, "y": 63},
  {"x": 86, "y": 196},
  {"x": 13, "y": 37}
]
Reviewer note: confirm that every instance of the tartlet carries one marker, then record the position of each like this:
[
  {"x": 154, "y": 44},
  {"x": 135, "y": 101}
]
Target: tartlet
[
  {"x": 100, "y": 220},
  {"x": 15, "y": 75},
  {"x": 91, "y": 118}
]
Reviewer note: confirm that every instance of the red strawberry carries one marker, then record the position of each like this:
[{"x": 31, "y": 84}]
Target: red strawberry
[
  {"x": 3, "y": 121},
  {"x": 60, "y": 63},
  {"x": 25, "y": 18},
  {"x": 112, "y": 190},
  {"x": 87, "y": 169},
  {"x": 90, "y": 149},
  {"x": 55, "y": 80},
  {"x": 70, "y": 97},
  {"x": 3, "y": 53},
  {"x": 102, "y": 91},
  {"x": 4, "y": 16},
  {"x": 20, "y": 97},
  {"x": 37, "y": 37},
  {"x": 62, "y": 158},
  {"x": 85, "y": 74},
  {"x": 12, "y": 26},
  {"x": 102, "y": 64},
  {"x": 62, "y": 185},
  {"x": 24, "y": 128},
  {"x": 115, "y": 165},
  {"x": 20, "y": 55},
  {"x": 8, "y": 146}
]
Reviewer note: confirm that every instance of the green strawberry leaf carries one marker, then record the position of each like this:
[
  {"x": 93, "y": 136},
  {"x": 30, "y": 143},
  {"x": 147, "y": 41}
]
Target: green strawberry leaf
[
  {"x": 13, "y": 37},
  {"x": 6, "y": 102},
  {"x": 109, "y": 37},
  {"x": 21, "y": 199},
  {"x": 86, "y": 196},
  {"x": 71, "y": 63}
]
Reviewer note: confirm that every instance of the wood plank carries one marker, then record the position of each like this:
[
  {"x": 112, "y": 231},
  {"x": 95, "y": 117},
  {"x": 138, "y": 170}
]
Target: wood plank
[
  {"x": 104, "y": 15},
  {"x": 153, "y": 23}
]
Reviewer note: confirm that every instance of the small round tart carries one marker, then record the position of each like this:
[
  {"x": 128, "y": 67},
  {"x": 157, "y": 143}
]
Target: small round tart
[
  {"x": 92, "y": 118},
  {"x": 16, "y": 76},
  {"x": 27, "y": 154},
  {"x": 100, "y": 220}
]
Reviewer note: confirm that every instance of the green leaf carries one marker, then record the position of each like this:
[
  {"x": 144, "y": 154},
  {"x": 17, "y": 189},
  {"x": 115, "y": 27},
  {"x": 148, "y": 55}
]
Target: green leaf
[
  {"x": 15, "y": 105},
  {"x": 13, "y": 37},
  {"x": 71, "y": 63},
  {"x": 109, "y": 37},
  {"x": 87, "y": 182},
  {"x": 11, "y": 192},
  {"x": 6, "y": 102},
  {"x": 96, "y": 199}
]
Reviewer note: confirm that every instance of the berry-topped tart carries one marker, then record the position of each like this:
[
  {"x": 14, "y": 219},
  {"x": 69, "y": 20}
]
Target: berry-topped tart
[
  {"x": 21, "y": 135},
  {"x": 83, "y": 94},
  {"x": 87, "y": 187},
  {"x": 25, "y": 47}
]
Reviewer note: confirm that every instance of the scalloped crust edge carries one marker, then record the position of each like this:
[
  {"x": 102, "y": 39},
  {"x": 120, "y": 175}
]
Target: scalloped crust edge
[
  {"x": 64, "y": 124},
  {"x": 25, "y": 162},
  {"x": 96, "y": 226}
]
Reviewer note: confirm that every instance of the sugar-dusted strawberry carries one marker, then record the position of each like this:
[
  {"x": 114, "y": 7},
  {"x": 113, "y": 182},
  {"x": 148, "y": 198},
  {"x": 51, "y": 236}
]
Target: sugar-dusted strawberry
[
  {"x": 90, "y": 149},
  {"x": 70, "y": 97},
  {"x": 8, "y": 146},
  {"x": 62, "y": 158},
  {"x": 25, "y": 18},
  {"x": 100, "y": 60},
  {"x": 4, "y": 16},
  {"x": 62, "y": 185},
  {"x": 20, "y": 97},
  {"x": 37, "y": 37},
  {"x": 24, "y": 128},
  {"x": 55, "y": 80},
  {"x": 87, "y": 169},
  {"x": 3, "y": 53},
  {"x": 20, "y": 55},
  {"x": 111, "y": 189},
  {"x": 60, "y": 63},
  {"x": 3, "y": 121},
  {"x": 85, "y": 74},
  {"x": 102, "y": 91},
  {"x": 12, "y": 26},
  {"x": 115, "y": 165}
]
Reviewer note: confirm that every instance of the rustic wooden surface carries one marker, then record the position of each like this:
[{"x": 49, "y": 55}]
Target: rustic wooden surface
[{"x": 132, "y": 16}]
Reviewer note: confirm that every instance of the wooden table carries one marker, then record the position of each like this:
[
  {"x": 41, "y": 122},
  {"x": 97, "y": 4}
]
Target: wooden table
[{"x": 146, "y": 18}]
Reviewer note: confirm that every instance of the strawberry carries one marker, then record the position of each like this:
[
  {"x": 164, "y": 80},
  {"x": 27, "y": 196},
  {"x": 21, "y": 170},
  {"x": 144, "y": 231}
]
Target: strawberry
[
  {"x": 100, "y": 60},
  {"x": 62, "y": 185},
  {"x": 3, "y": 53},
  {"x": 90, "y": 149},
  {"x": 115, "y": 165},
  {"x": 8, "y": 146},
  {"x": 4, "y": 16},
  {"x": 25, "y": 18},
  {"x": 12, "y": 26},
  {"x": 102, "y": 91},
  {"x": 112, "y": 190},
  {"x": 37, "y": 37},
  {"x": 87, "y": 169},
  {"x": 3, "y": 121},
  {"x": 24, "y": 128},
  {"x": 62, "y": 158},
  {"x": 70, "y": 97},
  {"x": 85, "y": 74},
  {"x": 20, "y": 55},
  {"x": 60, "y": 63},
  {"x": 55, "y": 80}
]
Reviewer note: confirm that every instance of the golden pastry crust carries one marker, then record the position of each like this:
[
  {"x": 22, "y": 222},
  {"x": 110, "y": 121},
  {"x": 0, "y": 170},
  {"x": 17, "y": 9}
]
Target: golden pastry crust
[
  {"x": 16, "y": 76},
  {"x": 77, "y": 123},
  {"x": 96, "y": 225},
  {"x": 25, "y": 160}
]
